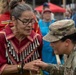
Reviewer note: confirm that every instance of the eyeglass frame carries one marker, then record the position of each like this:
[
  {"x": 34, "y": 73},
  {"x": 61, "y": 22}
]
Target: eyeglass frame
[{"x": 26, "y": 23}]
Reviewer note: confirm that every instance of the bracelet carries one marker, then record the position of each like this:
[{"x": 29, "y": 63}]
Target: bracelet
[{"x": 20, "y": 68}]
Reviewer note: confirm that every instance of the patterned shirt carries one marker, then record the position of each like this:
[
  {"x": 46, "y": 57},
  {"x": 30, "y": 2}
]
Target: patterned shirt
[{"x": 14, "y": 52}]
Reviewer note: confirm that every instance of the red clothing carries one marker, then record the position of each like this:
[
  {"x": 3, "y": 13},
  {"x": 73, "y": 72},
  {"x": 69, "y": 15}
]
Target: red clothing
[
  {"x": 13, "y": 52},
  {"x": 4, "y": 20},
  {"x": 36, "y": 27}
]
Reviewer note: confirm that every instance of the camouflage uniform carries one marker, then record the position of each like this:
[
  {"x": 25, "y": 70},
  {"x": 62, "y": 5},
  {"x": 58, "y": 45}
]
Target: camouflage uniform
[
  {"x": 67, "y": 69},
  {"x": 58, "y": 30}
]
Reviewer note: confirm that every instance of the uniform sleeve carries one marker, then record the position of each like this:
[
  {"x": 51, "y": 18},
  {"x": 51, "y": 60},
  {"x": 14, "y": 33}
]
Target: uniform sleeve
[
  {"x": 74, "y": 62},
  {"x": 74, "y": 65},
  {"x": 2, "y": 53},
  {"x": 55, "y": 69}
]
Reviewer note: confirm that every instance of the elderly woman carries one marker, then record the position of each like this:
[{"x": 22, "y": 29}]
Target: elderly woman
[{"x": 19, "y": 45}]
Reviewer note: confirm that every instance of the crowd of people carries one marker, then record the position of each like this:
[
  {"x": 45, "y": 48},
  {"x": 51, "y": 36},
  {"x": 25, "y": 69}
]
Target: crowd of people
[{"x": 29, "y": 42}]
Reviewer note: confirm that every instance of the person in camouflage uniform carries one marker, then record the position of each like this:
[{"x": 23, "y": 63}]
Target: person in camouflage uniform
[{"x": 62, "y": 36}]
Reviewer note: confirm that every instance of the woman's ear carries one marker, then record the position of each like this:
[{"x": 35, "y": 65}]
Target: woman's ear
[
  {"x": 13, "y": 19},
  {"x": 67, "y": 42}
]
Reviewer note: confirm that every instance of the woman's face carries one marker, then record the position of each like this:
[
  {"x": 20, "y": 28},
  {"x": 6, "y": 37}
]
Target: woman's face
[
  {"x": 25, "y": 23},
  {"x": 47, "y": 16},
  {"x": 59, "y": 47}
]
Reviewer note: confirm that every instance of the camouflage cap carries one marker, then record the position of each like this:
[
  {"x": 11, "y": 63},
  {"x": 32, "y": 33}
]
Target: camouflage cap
[{"x": 60, "y": 29}]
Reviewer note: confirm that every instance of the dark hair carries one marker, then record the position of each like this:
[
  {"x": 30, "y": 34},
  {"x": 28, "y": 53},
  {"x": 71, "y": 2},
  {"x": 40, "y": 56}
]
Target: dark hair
[
  {"x": 13, "y": 4},
  {"x": 45, "y": 5},
  {"x": 72, "y": 37},
  {"x": 19, "y": 9}
]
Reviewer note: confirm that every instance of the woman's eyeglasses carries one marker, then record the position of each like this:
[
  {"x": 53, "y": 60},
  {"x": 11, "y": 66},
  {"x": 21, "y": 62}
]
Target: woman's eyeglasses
[{"x": 27, "y": 21}]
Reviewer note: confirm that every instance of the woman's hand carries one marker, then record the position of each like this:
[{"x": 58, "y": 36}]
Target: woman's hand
[
  {"x": 41, "y": 64},
  {"x": 31, "y": 66}
]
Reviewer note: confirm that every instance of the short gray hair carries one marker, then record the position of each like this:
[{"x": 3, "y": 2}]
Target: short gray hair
[{"x": 19, "y": 9}]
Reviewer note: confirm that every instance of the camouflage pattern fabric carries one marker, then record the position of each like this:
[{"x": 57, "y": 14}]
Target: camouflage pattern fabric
[
  {"x": 69, "y": 68},
  {"x": 59, "y": 29}
]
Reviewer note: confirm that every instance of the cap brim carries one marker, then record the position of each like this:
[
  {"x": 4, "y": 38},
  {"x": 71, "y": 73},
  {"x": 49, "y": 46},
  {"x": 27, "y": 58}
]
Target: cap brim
[
  {"x": 50, "y": 38},
  {"x": 46, "y": 11}
]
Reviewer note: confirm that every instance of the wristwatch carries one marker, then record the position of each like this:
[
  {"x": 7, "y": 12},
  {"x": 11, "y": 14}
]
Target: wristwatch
[{"x": 19, "y": 67}]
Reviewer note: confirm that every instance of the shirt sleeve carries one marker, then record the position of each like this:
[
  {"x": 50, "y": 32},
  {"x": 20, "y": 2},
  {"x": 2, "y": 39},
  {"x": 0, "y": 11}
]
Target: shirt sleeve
[
  {"x": 74, "y": 63},
  {"x": 54, "y": 69},
  {"x": 3, "y": 60}
]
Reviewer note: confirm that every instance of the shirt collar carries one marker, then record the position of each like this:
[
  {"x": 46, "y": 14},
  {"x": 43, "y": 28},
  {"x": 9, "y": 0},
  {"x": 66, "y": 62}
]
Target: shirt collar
[{"x": 9, "y": 34}]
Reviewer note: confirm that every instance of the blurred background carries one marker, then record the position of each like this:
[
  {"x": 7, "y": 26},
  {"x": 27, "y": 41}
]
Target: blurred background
[{"x": 62, "y": 3}]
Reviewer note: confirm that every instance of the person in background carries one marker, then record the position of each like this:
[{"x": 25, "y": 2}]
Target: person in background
[
  {"x": 47, "y": 52},
  {"x": 36, "y": 27},
  {"x": 74, "y": 18},
  {"x": 62, "y": 36},
  {"x": 68, "y": 13},
  {"x": 46, "y": 5},
  {"x": 48, "y": 55},
  {"x": 4, "y": 14},
  {"x": 37, "y": 14},
  {"x": 20, "y": 46}
]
